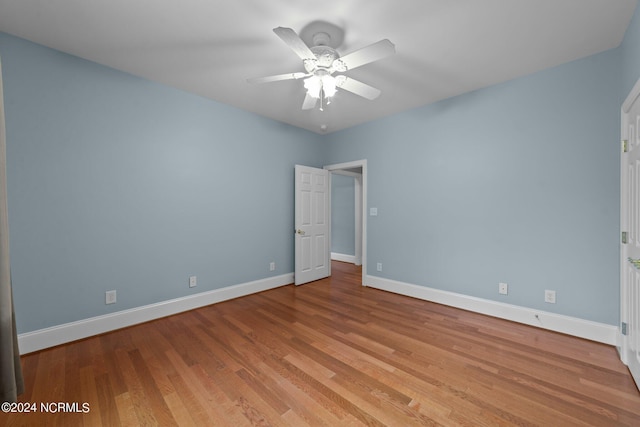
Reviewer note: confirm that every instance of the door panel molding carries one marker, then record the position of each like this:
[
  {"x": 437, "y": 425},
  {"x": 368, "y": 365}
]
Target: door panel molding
[
  {"x": 629, "y": 329},
  {"x": 312, "y": 226}
]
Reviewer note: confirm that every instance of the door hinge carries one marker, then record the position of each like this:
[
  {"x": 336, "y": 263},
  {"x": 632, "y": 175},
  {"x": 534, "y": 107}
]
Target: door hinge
[
  {"x": 623, "y": 328},
  {"x": 625, "y": 237},
  {"x": 625, "y": 146}
]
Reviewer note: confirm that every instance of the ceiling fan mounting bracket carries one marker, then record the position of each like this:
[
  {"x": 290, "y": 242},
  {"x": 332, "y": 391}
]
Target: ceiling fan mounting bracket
[
  {"x": 322, "y": 33},
  {"x": 321, "y": 39}
]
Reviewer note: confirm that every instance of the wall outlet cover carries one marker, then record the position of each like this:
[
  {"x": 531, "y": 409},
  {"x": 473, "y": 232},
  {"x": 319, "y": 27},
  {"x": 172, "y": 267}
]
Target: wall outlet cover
[
  {"x": 110, "y": 297},
  {"x": 550, "y": 296},
  {"x": 503, "y": 288}
]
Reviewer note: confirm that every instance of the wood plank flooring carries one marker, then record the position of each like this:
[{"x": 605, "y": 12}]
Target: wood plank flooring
[{"x": 330, "y": 353}]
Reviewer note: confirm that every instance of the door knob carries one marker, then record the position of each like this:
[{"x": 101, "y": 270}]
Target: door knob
[{"x": 300, "y": 232}]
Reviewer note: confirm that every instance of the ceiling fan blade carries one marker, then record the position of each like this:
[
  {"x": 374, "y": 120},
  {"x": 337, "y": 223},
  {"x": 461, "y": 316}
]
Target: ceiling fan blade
[
  {"x": 309, "y": 102},
  {"x": 294, "y": 42},
  {"x": 360, "y": 89},
  {"x": 368, "y": 54},
  {"x": 277, "y": 78}
]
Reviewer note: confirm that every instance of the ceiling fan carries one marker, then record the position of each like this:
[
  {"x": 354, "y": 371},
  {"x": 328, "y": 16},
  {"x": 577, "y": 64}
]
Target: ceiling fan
[{"x": 323, "y": 64}]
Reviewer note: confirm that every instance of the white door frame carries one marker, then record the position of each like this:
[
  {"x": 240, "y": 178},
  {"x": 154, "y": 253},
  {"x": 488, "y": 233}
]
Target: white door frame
[
  {"x": 357, "y": 184},
  {"x": 361, "y": 206},
  {"x": 623, "y": 344}
]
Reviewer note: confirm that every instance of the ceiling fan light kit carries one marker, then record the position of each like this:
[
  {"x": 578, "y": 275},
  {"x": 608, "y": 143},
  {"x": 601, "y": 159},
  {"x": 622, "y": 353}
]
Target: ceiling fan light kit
[{"x": 317, "y": 49}]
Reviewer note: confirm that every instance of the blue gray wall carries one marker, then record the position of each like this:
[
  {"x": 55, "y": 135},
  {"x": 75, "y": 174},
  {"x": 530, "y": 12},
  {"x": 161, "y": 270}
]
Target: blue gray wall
[
  {"x": 515, "y": 183},
  {"x": 119, "y": 183},
  {"x": 631, "y": 55},
  {"x": 343, "y": 208}
]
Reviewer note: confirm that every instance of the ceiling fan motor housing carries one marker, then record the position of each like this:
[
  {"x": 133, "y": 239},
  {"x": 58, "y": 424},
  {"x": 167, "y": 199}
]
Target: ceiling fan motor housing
[{"x": 327, "y": 58}]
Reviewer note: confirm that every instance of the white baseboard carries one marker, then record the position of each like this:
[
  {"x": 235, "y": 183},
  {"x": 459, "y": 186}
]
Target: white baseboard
[
  {"x": 344, "y": 258},
  {"x": 49, "y": 337},
  {"x": 600, "y": 332},
  {"x": 61, "y": 334}
]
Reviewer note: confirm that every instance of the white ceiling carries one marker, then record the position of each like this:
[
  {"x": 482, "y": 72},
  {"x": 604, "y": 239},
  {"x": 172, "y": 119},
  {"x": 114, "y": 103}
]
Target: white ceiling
[{"x": 210, "y": 47}]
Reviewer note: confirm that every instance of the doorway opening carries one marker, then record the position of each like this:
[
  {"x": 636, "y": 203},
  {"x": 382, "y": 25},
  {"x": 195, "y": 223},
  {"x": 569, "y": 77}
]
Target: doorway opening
[{"x": 356, "y": 170}]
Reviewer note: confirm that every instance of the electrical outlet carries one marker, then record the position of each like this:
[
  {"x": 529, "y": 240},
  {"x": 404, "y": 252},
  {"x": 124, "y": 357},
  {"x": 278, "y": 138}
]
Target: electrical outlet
[
  {"x": 379, "y": 266},
  {"x": 193, "y": 281},
  {"x": 550, "y": 296},
  {"x": 110, "y": 297},
  {"x": 272, "y": 266},
  {"x": 503, "y": 288}
]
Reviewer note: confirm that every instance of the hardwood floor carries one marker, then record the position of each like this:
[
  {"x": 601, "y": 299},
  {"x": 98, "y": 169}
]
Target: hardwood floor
[{"x": 329, "y": 353}]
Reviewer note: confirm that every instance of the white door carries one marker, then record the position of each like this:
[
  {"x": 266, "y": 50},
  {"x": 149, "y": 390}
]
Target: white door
[
  {"x": 630, "y": 222},
  {"x": 311, "y": 224}
]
